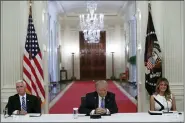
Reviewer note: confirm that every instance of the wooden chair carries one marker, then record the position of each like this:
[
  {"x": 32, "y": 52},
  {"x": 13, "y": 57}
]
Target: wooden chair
[{"x": 124, "y": 76}]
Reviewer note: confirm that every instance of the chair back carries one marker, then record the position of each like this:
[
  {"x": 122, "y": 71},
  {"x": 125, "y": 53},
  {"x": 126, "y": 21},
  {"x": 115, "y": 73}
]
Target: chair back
[{"x": 83, "y": 100}]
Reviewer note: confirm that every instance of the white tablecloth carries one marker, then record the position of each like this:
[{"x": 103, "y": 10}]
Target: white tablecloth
[{"x": 119, "y": 117}]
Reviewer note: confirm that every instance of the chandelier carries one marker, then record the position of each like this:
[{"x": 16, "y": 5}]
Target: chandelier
[{"x": 91, "y": 24}]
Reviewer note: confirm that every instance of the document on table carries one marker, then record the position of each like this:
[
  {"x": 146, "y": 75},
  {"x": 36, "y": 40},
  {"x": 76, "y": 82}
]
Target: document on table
[{"x": 34, "y": 115}]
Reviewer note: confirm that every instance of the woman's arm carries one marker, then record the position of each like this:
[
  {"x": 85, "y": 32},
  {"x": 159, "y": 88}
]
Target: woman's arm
[
  {"x": 173, "y": 103},
  {"x": 152, "y": 104}
]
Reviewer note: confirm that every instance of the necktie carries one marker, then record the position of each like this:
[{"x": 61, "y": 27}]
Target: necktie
[
  {"x": 102, "y": 103},
  {"x": 23, "y": 104}
]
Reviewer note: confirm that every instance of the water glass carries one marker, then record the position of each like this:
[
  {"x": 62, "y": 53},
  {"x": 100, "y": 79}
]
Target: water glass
[
  {"x": 75, "y": 113},
  {"x": 5, "y": 112}
]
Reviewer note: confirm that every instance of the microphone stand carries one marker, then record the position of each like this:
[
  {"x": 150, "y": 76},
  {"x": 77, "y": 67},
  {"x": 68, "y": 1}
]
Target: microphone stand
[
  {"x": 95, "y": 105},
  {"x": 168, "y": 110},
  {"x": 167, "y": 106}
]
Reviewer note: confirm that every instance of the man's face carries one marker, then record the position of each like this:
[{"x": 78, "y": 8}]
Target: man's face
[
  {"x": 20, "y": 88},
  {"x": 102, "y": 90}
]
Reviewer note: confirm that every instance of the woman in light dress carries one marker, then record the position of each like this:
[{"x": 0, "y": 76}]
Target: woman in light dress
[{"x": 163, "y": 98}]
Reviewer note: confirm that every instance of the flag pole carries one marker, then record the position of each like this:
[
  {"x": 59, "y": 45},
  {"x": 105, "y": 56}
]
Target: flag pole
[
  {"x": 149, "y": 10},
  {"x": 149, "y": 5},
  {"x": 30, "y": 12}
]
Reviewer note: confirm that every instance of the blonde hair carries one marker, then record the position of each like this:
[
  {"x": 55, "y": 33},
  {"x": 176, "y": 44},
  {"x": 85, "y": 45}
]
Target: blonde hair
[
  {"x": 167, "y": 93},
  {"x": 100, "y": 82}
]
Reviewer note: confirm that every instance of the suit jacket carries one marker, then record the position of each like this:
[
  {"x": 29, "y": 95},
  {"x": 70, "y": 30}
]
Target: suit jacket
[
  {"x": 91, "y": 102},
  {"x": 33, "y": 104}
]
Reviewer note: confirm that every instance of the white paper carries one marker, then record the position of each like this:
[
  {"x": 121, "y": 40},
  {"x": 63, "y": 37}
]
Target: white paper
[
  {"x": 157, "y": 112},
  {"x": 35, "y": 115}
]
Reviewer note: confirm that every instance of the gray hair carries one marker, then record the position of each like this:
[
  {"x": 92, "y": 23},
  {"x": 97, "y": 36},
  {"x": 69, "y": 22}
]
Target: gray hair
[
  {"x": 100, "y": 82},
  {"x": 21, "y": 81}
]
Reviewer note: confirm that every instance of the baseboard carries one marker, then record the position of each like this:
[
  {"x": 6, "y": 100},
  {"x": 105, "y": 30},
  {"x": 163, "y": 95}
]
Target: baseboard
[
  {"x": 132, "y": 99},
  {"x": 59, "y": 95},
  {"x": 113, "y": 80}
]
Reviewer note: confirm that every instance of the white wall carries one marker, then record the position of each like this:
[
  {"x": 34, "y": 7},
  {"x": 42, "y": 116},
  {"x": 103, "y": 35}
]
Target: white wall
[
  {"x": 168, "y": 22},
  {"x": 14, "y": 21},
  {"x": 10, "y": 46},
  {"x": 114, "y": 42},
  {"x": 173, "y": 49}
]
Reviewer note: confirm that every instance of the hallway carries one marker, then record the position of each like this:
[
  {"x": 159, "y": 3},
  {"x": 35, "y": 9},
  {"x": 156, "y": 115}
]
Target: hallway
[{"x": 72, "y": 97}]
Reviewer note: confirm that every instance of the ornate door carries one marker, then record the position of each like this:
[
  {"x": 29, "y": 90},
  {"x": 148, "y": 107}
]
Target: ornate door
[{"x": 93, "y": 58}]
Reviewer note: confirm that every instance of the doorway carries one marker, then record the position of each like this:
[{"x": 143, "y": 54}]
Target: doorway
[{"x": 92, "y": 58}]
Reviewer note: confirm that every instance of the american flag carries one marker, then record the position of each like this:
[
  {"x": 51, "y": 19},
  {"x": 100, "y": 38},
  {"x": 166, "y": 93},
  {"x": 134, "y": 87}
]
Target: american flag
[
  {"x": 150, "y": 63},
  {"x": 32, "y": 63}
]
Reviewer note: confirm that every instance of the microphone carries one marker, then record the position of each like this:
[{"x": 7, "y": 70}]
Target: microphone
[
  {"x": 95, "y": 105},
  {"x": 168, "y": 110},
  {"x": 167, "y": 106}
]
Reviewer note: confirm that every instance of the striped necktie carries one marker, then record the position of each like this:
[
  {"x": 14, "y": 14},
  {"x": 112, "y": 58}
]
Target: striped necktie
[{"x": 23, "y": 104}]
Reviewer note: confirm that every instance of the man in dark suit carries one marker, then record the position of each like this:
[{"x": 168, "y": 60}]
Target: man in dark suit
[
  {"x": 23, "y": 103},
  {"x": 99, "y": 102}
]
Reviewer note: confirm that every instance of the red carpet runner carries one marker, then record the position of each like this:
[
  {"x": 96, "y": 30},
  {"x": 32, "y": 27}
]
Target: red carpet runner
[{"x": 72, "y": 98}]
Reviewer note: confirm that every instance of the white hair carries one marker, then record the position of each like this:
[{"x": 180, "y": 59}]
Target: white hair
[
  {"x": 100, "y": 82},
  {"x": 19, "y": 81}
]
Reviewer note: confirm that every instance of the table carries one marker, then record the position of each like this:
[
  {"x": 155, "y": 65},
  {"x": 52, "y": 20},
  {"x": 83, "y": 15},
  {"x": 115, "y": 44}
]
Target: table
[{"x": 119, "y": 117}]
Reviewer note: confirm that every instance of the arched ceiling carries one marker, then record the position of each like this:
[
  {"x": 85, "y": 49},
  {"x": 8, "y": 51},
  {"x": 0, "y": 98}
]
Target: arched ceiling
[{"x": 108, "y": 8}]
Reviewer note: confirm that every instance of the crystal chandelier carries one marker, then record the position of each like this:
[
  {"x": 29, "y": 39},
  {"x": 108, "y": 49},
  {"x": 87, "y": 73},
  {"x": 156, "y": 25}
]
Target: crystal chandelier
[{"x": 91, "y": 24}]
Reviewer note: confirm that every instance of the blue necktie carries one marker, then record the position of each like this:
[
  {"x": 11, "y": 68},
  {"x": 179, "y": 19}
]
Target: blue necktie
[
  {"x": 23, "y": 104},
  {"x": 102, "y": 103}
]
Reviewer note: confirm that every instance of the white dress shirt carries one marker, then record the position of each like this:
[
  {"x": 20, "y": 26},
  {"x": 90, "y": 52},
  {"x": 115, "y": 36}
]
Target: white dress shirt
[
  {"x": 99, "y": 105},
  {"x": 20, "y": 98}
]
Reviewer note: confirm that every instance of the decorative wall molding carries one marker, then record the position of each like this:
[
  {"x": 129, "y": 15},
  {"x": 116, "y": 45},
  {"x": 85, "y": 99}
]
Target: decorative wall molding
[
  {"x": 7, "y": 90},
  {"x": 8, "y": 86},
  {"x": 77, "y": 28},
  {"x": 69, "y": 21},
  {"x": 59, "y": 7},
  {"x": 73, "y": 28},
  {"x": 183, "y": 36},
  {"x": 177, "y": 90},
  {"x": 107, "y": 17},
  {"x": 11, "y": 54}
]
